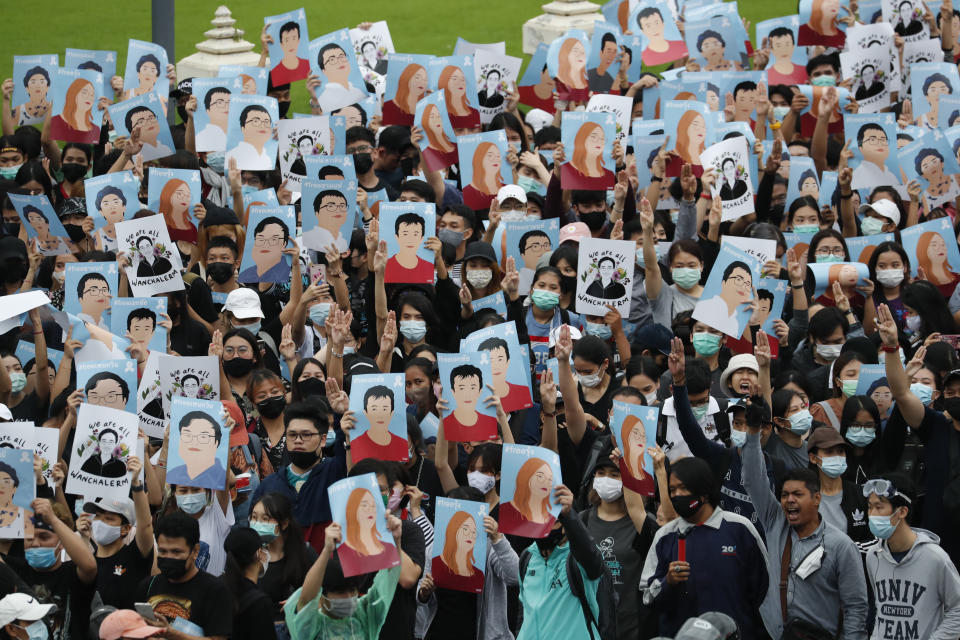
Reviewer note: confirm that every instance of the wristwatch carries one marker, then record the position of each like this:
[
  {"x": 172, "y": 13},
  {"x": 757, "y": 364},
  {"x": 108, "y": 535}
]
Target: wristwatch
[{"x": 137, "y": 488}]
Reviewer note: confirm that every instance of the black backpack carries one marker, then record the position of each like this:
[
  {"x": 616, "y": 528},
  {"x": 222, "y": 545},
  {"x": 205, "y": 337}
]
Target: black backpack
[
  {"x": 951, "y": 492},
  {"x": 607, "y": 598}
]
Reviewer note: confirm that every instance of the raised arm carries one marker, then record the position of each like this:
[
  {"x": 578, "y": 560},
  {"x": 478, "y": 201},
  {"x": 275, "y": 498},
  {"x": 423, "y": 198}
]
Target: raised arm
[
  {"x": 576, "y": 417},
  {"x": 582, "y": 546},
  {"x": 548, "y": 406},
  {"x": 910, "y": 406},
  {"x": 754, "y": 475},
  {"x": 441, "y": 454},
  {"x": 653, "y": 281}
]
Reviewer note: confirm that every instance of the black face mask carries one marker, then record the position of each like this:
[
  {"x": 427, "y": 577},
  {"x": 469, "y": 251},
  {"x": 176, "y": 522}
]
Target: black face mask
[
  {"x": 312, "y": 387},
  {"x": 409, "y": 165},
  {"x": 271, "y": 407},
  {"x": 238, "y": 367},
  {"x": 568, "y": 284},
  {"x": 952, "y": 406},
  {"x": 172, "y": 568},
  {"x": 75, "y": 231},
  {"x": 303, "y": 459},
  {"x": 182, "y": 111},
  {"x": 73, "y": 171},
  {"x": 220, "y": 272},
  {"x": 11, "y": 228},
  {"x": 283, "y": 106},
  {"x": 14, "y": 270},
  {"x": 686, "y": 506},
  {"x": 550, "y": 542},
  {"x": 593, "y": 219},
  {"x": 362, "y": 162}
]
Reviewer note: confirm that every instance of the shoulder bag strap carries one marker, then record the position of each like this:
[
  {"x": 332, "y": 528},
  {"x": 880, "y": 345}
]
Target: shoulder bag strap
[{"x": 785, "y": 573}]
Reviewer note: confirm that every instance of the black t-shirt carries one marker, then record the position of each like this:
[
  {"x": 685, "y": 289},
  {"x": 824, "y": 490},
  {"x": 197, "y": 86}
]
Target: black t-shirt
[
  {"x": 189, "y": 338},
  {"x": 273, "y": 584},
  {"x": 30, "y": 409},
  {"x": 203, "y": 600},
  {"x": 424, "y": 474},
  {"x": 456, "y": 615},
  {"x": 63, "y": 588},
  {"x": 403, "y": 610},
  {"x": 254, "y": 617},
  {"x": 119, "y": 575}
]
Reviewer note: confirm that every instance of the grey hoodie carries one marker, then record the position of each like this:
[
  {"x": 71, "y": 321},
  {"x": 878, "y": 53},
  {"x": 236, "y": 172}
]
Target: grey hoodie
[{"x": 918, "y": 597}]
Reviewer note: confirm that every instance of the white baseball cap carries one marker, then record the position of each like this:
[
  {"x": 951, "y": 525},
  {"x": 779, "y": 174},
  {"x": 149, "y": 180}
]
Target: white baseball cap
[
  {"x": 511, "y": 191},
  {"x": 5, "y": 412},
  {"x": 22, "y": 606},
  {"x": 120, "y": 506},
  {"x": 538, "y": 119},
  {"x": 886, "y": 208},
  {"x": 243, "y": 303}
]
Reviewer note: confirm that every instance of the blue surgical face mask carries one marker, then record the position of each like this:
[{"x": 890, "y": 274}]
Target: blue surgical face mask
[
  {"x": 18, "y": 380},
  {"x": 544, "y": 299},
  {"x": 806, "y": 228},
  {"x": 9, "y": 173},
  {"x": 738, "y": 438},
  {"x": 532, "y": 184},
  {"x": 860, "y": 437},
  {"x": 248, "y": 189},
  {"x": 41, "y": 557},
  {"x": 602, "y": 331},
  {"x": 413, "y": 330},
  {"x": 192, "y": 503},
  {"x": 700, "y": 411},
  {"x": 640, "y": 262},
  {"x": 833, "y": 466},
  {"x": 319, "y": 313},
  {"x": 706, "y": 344},
  {"x": 686, "y": 278},
  {"x": 800, "y": 422},
  {"x": 252, "y": 328},
  {"x": 348, "y": 350},
  {"x": 36, "y": 631},
  {"x": 871, "y": 226},
  {"x": 824, "y": 81},
  {"x": 216, "y": 160},
  {"x": 828, "y": 259},
  {"x": 881, "y": 526},
  {"x": 266, "y": 530},
  {"x": 779, "y": 113},
  {"x": 923, "y": 392}
]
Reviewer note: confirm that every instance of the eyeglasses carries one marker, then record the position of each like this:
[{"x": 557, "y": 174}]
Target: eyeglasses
[
  {"x": 200, "y": 438},
  {"x": 302, "y": 436},
  {"x": 740, "y": 280},
  {"x": 337, "y": 58},
  {"x": 136, "y": 122},
  {"x": 258, "y": 122},
  {"x": 361, "y": 148},
  {"x": 875, "y": 140},
  {"x": 219, "y": 102},
  {"x": 97, "y": 291},
  {"x": 240, "y": 351},
  {"x": 863, "y": 425},
  {"x": 6, "y": 482},
  {"x": 538, "y": 246},
  {"x": 333, "y": 207},
  {"x": 883, "y": 488},
  {"x": 828, "y": 251},
  {"x": 260, "y": 241},
  {"x": 111, "y": 397}
]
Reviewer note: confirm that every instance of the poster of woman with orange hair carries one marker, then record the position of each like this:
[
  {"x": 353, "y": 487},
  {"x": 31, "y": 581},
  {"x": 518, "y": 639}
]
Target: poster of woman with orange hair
[
  {"x": 459, "y": 545},
  {"x": 407, "y": 84},
  {"x": 694, "y": 132},
  {"x": 437, "y": 144},
  {"x": 173, "y": 193},
  {"x": 357, "y": 506},
  {"x": 588, "y": 141},
  {"x": 637, "y": 431},
  {"x": 567, "y": 64},
  {"x": 824, "y": 23},
  {"x": 935, "y": 247},
  {"x": 529, "y": 475},
  {"x": 77, "y": 112},
  {"x": 455, "y": 77},
  {"x": 483, "y": 167},
  {"x": 846, "y": 274}
]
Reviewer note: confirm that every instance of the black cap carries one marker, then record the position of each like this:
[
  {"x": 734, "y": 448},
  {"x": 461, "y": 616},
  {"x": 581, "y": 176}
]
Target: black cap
[
  {"x": 480, "y": 249},
  {"x": 242, "y": 541},
  {"x": 184, "y": 88},
  {"x": 218, "y": 215},
  {"x": 951, "y": 376},
  {"x": 654, "y": 336},
  {"x": 73, "y": 207}
]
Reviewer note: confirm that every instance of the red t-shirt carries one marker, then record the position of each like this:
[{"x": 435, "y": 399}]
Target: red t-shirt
[
  {"x": 421, "y": 274},
  {"x": 476, "y": 199},
  {"x": 676, "y": 49},
  {"x": 512, "y": 522},
  {"x": 797, "y": 76},
  {"x": 364, "y": 447},
  {"x": 468, "y": 121},
  {"x": 572, "y": 178},
  {"x": 393, "y": 114},
  {"x": 444, "y": 578},
  {"x": 518, "y": 397},
  {"x": 485, "y": 428},
  {"x": 530, "y": 98},
  {"x": 281, "y": 75}
]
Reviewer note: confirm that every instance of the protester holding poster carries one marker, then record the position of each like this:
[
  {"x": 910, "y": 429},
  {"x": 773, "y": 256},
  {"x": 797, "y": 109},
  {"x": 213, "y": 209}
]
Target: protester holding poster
[{"x": 530, "y": 475}]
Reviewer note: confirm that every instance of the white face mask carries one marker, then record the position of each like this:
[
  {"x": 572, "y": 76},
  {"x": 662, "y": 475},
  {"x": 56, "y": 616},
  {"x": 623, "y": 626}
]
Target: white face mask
[
  {"x": 609, "y": 489},
  {"x": 829, "y": 352},
  {"x": 590, "y": 381},
  {"x": 479, "y": 278},
  {"x": 103, "y": 533},
  {"x": 481, "y": 481},
  {"x": 889, "y": 277},
  {"x": 651, "y": 397}
]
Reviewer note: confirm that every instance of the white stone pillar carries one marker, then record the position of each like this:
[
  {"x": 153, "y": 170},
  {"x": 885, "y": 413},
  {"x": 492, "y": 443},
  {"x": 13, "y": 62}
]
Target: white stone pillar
[
  {"x": 558, "y": 17},
  {"x": 224, "y": 45}
]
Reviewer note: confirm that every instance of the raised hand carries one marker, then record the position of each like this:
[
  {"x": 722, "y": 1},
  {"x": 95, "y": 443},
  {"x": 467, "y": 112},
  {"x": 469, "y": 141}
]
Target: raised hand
[{"x": 887, "y": 326}]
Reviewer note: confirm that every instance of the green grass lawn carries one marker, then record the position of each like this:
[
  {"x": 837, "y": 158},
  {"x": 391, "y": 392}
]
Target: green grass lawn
[{"x": 433, "y": 28}]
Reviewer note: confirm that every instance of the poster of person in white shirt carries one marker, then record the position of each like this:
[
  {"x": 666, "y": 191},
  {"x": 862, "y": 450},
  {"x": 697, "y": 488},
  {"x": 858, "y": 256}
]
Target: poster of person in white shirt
[
  {"x": 250, "y": 137},
  {"x": 869, "y": 136},
  {"x": 328, "y": 211},
  {"x": 333, "y": 61},
  {"x": 145, "y": 113},
  {"x": 729, "y": 297},
  {"x": 211, "y": 117}
]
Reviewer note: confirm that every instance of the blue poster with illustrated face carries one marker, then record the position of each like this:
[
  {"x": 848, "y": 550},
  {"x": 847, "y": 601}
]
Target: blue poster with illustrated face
[
  {"x": 32, "y": 79},
  {"x": 146, "y": 69},
  {"x": 139, "y": 320},
  {"x": 872, "y": 138},
  {"x": 509, "y": 374},
  {"x": 460, "y": 545},
  {"x": 407, "y": 82},
  {"x": 932, "y": 245},
  {"x": 332, "y": 167},
  {"x": 848, "y": 274},
  {"x": 692, "y": 127},
  {"x": 89, "y": 289},
  {"x": 26, "y": 351},
  {"x": 929, "y": 81},
  {"x": 42, "y": 223},
  {"x": 455, "y": 77},
  {"x": 931, "y": 162},
  {"x": 211, "y": 119},
  {"x": 173, "y": 193},
  {"x": 103, "y": 62},
  {"x": 250, "y": 138},
  {"x": 588, "y": 140},
  {"x": 635, "y": 430},
  {"x": 483, "y": 167},
  {"x": 729, "y": 291},
  {"x": 496, "y": 301},
  {"x": 111, "y": 198},
  {"x": 146, "y": 112},
  {"x": 771, "y": 295},
  {"x": 527, "y": 480},
  {"x": 526, "y": 241},
  {"x": 438, "y": 144},
  {"x": 109, "y": 383},
  {"x": 17, "y": 491},
  {"x": 378, "y": 403},
  {"x": 861, "y": 247},
  {"x": 76, "y": 111},
  {"x": 327, "y": 210},
  {"x": 465, "y": 378},
  {"x": 263, "y": 256},
  {"x": 289, "y": 51},
  {"x": 333, "y": 61},
  {"x": 405, "y": 226},
  {"x": 366, "y": 545},
  {"x": 803, "y": 180},
  {"x": 252, "y": 80},
  {"x": 199, "y": 443}
]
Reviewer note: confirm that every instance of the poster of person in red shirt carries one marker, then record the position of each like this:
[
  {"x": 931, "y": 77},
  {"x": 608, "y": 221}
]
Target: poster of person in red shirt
[
  {"x": 467, "y": 416},
  {"x": 380, "y": 429},
  {"x": 405, "y": 226},
  {"x": 510, "y": 379}
]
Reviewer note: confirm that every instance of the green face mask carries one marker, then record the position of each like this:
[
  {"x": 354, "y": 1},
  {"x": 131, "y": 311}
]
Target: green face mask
[
  {"x": 706, "y": 344},
  {"x": 849, "y": 387},
  {"x": 806, "y": 228},
  {"x": 685, "y": 278},
  {"x": 700, "y": 412},
  {"x": 828, "y": 259}
]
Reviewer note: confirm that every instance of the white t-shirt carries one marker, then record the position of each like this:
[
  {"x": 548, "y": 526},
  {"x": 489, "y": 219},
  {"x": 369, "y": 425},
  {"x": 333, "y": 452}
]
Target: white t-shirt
[
  {"x": 214, "y": 527},
  {"x": 249, "y": 158},
  {"x": 212, "y": 138}
]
